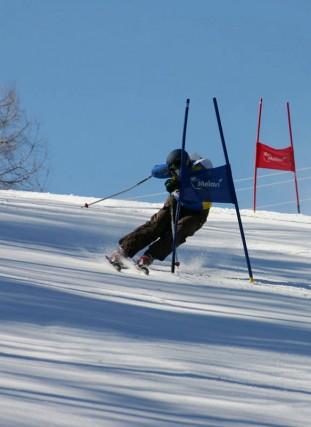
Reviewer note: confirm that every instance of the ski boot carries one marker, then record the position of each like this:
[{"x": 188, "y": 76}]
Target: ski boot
[
  {"x": 144, "y": 262},
  {"x": 117, "y": 258}
]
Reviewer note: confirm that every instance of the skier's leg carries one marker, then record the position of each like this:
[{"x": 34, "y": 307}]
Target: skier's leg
[
  {"x": 158, "y": 225},
  {"x": 187, "y": 226}
]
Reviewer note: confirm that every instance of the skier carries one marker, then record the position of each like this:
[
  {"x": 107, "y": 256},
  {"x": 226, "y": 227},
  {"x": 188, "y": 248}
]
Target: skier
[{"x": 156, "y": 234}]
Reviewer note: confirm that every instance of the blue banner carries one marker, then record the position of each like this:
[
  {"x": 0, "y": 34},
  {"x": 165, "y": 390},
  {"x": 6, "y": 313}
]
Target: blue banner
[{"x": 213, "y": 185}]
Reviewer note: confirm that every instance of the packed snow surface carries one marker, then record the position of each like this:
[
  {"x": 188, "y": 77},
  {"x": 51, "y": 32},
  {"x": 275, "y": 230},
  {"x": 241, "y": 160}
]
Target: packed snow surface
[{"x": 85, "y": 346}]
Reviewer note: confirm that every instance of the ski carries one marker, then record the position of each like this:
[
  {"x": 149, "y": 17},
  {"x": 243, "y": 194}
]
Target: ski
[
  {"x": 119, "y": 266},
  {"x": 142, "y": 269}
]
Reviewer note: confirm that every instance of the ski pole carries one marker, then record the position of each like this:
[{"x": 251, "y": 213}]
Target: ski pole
[
  {"x": 181, "y": 187},
  {"x": 177, "y": 263},
  {"x": 87, "y": 205}
]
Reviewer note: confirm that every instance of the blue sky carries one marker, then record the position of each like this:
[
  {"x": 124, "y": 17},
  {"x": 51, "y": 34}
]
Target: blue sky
[{"x": 108, "y": 81}]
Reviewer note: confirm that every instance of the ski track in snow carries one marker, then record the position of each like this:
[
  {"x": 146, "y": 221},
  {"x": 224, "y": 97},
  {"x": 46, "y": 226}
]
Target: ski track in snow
[{"x": 83, "y": 345}]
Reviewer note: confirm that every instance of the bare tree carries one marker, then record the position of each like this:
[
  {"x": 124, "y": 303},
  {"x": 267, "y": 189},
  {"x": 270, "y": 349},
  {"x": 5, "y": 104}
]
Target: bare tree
[{"x": 23, "y": 154}]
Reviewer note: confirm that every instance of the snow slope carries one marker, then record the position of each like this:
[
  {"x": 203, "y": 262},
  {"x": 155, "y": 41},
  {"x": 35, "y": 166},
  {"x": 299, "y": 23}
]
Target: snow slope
[{"x": 85, "y": 346}]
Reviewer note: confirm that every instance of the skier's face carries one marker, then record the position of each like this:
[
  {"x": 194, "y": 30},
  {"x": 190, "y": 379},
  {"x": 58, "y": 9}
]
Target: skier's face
[{"x": 174, "y": 170}]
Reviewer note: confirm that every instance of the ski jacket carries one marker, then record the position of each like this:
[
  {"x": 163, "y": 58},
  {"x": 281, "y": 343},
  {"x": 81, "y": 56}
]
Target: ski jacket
[{"x": 191, "y": 199}]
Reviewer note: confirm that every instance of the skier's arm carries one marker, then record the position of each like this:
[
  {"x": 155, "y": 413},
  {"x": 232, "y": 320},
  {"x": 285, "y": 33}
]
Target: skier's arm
[{"x": 160, "y": 171}]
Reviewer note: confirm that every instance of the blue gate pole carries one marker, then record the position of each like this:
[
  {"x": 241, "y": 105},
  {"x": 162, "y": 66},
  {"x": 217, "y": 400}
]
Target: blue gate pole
[
  {"x": 181, "y": 187},
  {"x": 235, "y": 200}
]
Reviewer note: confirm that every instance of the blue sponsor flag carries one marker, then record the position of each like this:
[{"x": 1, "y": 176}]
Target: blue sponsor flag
[{"x": 213, "y": 185}]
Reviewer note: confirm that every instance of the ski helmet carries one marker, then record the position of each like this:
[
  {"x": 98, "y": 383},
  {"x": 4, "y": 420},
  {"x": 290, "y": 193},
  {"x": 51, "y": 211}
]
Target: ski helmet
[{"x": 173, "y": 160}]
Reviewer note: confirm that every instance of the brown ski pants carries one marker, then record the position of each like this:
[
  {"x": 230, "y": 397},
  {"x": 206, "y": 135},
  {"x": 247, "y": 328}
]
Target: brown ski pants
[{"x": 157, "y": 232}]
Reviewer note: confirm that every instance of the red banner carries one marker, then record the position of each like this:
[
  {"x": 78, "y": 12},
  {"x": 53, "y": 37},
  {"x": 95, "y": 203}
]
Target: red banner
[{"x": 273, "y": 158}]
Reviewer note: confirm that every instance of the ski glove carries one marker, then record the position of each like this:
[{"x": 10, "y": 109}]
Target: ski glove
[{"x": 171, "y": 185}]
